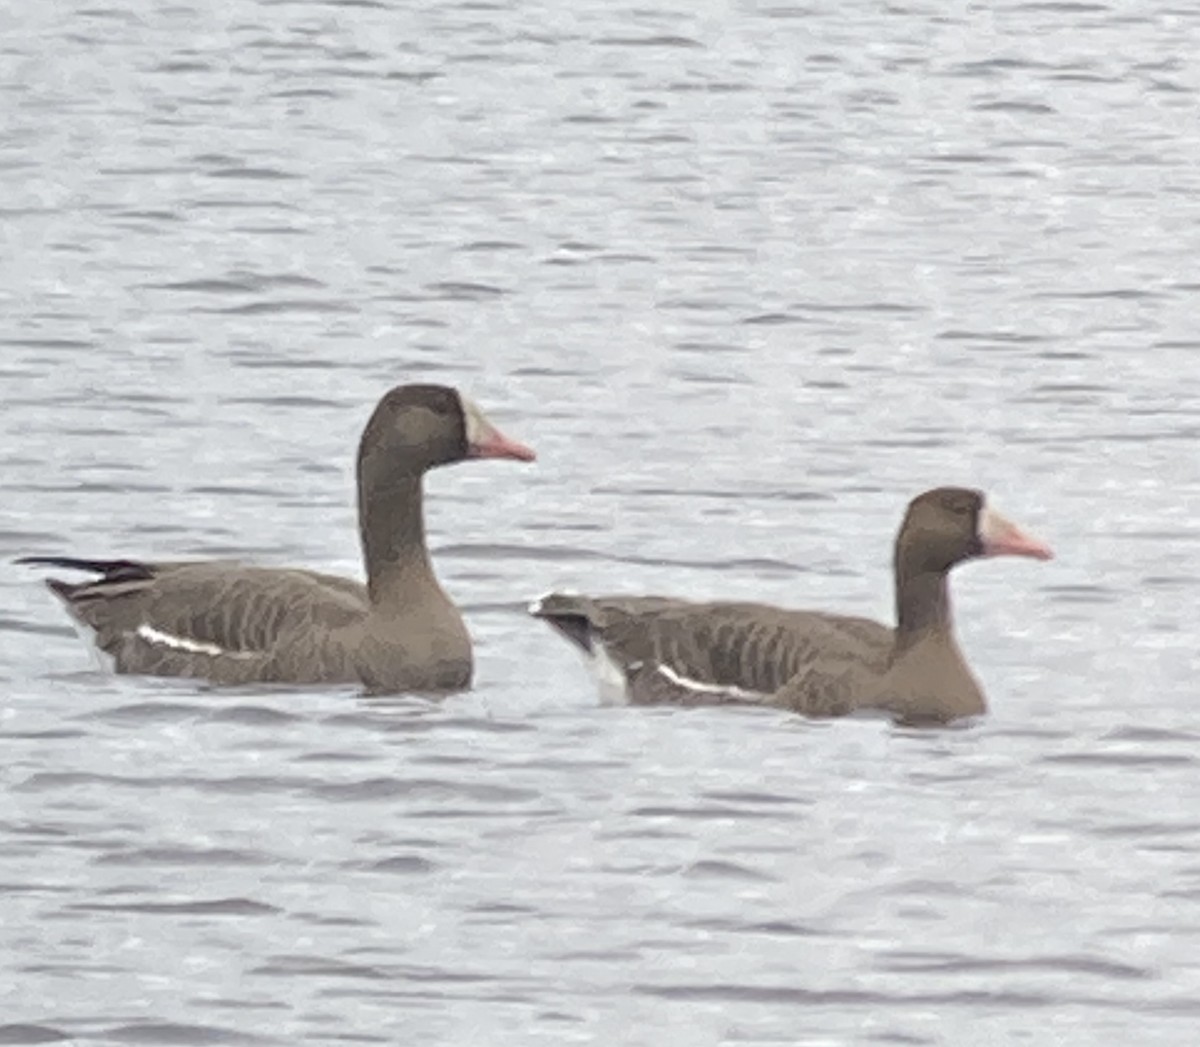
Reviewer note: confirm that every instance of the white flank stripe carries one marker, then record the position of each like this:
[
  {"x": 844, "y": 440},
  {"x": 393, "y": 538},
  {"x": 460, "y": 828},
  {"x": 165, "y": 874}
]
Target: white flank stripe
[
  {"x": 702, "y": 687},
  {"x": 613, "y": 681},
  {"x": 180, "y": 643}
]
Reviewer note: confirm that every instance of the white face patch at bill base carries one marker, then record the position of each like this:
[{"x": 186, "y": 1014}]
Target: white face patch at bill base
[
  {"x": 999, "y": 536},
  {"x": 147, "y": 632},
  {"x": 484, "y": 440},
  {"x": 478, "y": 427},
  {"x": 985, "y": 524}
]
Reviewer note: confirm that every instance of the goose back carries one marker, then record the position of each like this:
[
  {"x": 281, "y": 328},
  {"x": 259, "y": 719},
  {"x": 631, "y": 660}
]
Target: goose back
[{"x": 663, "y": 649}]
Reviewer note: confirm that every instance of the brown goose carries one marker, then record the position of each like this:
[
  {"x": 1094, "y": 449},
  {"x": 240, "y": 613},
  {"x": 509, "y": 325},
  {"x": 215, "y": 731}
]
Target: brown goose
[
  {"x": 235, "y": 624},
  {"x": 656, "y": 650}
]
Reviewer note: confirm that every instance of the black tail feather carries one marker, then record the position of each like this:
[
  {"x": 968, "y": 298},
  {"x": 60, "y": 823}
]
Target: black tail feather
[{"x": 110, "y": 570}]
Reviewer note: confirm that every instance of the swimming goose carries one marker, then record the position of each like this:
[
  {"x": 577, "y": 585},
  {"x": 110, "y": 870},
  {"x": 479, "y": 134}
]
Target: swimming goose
[
  {"x": 654, "y": 649},
  {"x": 231, "y": 623}
]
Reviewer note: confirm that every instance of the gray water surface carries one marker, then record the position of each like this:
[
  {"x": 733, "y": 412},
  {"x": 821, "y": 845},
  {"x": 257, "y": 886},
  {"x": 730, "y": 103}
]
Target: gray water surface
[{"x": 748, "y": 276}]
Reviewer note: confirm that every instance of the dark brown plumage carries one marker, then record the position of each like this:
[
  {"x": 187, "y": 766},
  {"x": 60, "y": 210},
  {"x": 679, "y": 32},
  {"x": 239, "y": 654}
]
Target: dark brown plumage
[
  {"x": 235, "y": 624},
  {"x": 657, "y": 649}
]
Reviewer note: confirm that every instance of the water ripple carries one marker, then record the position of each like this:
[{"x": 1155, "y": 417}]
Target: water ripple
[
  {"x": 748, "y": 277},
  {"x": 30, "y": 1034}
]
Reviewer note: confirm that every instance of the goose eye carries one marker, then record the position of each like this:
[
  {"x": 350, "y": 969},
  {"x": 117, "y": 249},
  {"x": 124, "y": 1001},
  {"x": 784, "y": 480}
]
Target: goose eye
[{"x": 441, "y": 406}]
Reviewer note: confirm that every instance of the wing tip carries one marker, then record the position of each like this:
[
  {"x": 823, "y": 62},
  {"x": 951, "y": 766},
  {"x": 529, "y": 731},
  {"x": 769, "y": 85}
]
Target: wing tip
[
  {"x": 564, "y": 613},
  {"x": 63, "y": 590},
  {"x": 109, "y": 570},
  {"x": 553, "y": 603},
  {"x": 59, "y": 588}
]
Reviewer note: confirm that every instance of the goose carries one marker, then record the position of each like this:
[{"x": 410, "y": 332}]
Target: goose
[
  {"x": 653, "y": 649},
  {"x": 231, "y": 623}
]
